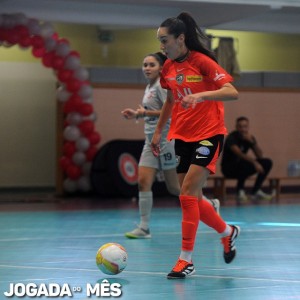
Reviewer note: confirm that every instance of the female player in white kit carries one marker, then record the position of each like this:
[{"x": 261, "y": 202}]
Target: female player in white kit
[{"x": 150, "y": 110}]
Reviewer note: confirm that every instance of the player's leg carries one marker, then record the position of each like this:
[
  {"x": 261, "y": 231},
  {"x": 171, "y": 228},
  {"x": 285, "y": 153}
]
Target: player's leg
[
  {"x": 257, "y": 193},
  {"x": 148, "y": 166}
]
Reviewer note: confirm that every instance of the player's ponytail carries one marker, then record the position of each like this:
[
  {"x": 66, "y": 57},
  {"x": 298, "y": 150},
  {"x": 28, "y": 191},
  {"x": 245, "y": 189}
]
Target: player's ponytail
[{"x": 195, "y": 38}]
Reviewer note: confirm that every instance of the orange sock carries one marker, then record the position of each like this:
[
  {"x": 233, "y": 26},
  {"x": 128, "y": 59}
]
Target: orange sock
[
  {"x": 210, "y": 217},
  {"x": 190, "y": 221}
]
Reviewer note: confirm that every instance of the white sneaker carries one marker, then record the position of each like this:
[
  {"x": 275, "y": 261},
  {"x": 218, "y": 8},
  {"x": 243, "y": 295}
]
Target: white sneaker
[
  {"x": 138, "y": 233},
  {"x": 260, "y": 195},
  {"x": 216, "y": 204},
  {"x": 242, "y": 197}
]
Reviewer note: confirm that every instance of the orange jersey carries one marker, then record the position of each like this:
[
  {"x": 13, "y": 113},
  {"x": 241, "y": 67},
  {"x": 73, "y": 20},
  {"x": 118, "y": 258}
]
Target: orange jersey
[{"x": 198, "y": 73}]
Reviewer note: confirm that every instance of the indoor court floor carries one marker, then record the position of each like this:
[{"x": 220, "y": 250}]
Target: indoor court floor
[{"x": 57, "y": 243}]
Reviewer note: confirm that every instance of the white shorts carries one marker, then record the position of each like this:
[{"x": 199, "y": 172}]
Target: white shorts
[{"x": 166, "y": 159}]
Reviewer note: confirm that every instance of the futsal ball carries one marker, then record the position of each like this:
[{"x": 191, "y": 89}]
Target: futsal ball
[{"x": 111, "y": 258}]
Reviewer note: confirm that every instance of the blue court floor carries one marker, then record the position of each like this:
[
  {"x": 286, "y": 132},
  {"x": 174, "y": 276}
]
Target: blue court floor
[{"x": 59, "y": 246}]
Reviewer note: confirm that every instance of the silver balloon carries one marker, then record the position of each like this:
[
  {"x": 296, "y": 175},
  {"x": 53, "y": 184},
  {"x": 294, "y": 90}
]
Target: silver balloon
[
  {"x": 70, "y": 185},
  {"x": 88, "y": 100},
  {"x": 50, "y": 44},
  {"x": 21, "y": 19},
  {"x": 92, "y": 117},
  {"x": 72, "y": 62},
  {"x": 74, "y": 118},
  {"x": 62, "y": 49},
  {"x": 71, "y": 133},
  {"x": 83, "y": 184},
  {"x": 79, "y": 158},
  {"x": 62, "y": 94},
  {"x": 81, "y": 74},
  {"x": 33, "y": 26},
  {"x": 46, "y": 30},
  {"x": 83, "y": 144},
  {"x": 85, "y": 91}
]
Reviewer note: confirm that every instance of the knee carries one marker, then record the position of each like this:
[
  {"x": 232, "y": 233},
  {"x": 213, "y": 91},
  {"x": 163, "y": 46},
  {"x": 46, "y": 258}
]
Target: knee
[
  {"x": 144, "y": 184},
  {"x": 173, "y": 190},
  {"x": 267, "y": 164}
]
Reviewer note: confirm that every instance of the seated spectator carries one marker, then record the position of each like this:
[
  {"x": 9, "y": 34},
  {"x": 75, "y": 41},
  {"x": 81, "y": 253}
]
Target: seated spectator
[{"x": 237, "y": 163}]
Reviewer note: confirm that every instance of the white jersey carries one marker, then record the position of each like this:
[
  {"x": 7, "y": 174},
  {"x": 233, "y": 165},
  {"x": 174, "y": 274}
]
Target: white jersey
[{"x": 154, "y": 99}]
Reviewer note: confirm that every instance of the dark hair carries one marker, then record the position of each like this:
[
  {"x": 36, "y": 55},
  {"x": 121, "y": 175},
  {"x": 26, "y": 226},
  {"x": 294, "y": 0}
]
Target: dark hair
[
  {"x": 242, "y": 118},
  {"x": 195, "y": 38},
  {"x": 159, "y": 56}
]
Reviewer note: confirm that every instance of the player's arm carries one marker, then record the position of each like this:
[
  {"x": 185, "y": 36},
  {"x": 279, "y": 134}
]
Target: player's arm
[
  {"x": 226, "y": 93},
  {"x": 237, "y": 151},
  {"x": 163, "y": 119}
]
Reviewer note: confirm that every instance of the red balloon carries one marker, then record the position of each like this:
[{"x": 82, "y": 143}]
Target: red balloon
[
  {"x": 73, "y": 172},
  {"x": 71, "y": 106},
  {"x": 64, "y": 75},
  {"x": 55, "y": 36},
  {"x": 22, "y": 30},
  {"x": 65, "y": 162},
  {"x": 73, "y": 85},
  {"x": 69, "y": 148},
  {"x": 37, "y": 41},
  {"x": 94, "y": 137},
  {"x": 74, "y": 53},
  {"x": 90, "y": 153},
  {"x": 86, "y": 127},
  {"x": 13, "y": 37},
  {"x": 57, "y": 62},
  {"x": 25, "y": 41},
  {"x": 47, "y": 59},
  {"x": 38, "y": 52},
  {"x": 85, "y": 109}
]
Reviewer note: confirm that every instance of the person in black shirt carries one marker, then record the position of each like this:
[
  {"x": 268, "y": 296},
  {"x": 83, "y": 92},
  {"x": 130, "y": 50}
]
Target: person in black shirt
[{"x": 237, "y": 163}]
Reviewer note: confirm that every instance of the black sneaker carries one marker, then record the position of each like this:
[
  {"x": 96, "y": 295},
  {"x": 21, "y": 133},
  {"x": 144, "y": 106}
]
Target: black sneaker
[
  {"x": 181, "y": 270},
  {"x": 229, "y": 244}
]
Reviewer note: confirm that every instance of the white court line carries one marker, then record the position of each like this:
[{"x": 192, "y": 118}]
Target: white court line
[
  {"x": 157, "y": 273},
  {"x": 122, "y": 235}
]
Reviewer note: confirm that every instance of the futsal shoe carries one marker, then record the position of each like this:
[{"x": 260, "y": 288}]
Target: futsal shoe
[
  {"x": 260, "y": 195},
  {"x": 138, "y": 233},
  {"x": 241, "y": 197},
  {"x": 229, "y": 244},
  {"x": 181, "y": 270}
]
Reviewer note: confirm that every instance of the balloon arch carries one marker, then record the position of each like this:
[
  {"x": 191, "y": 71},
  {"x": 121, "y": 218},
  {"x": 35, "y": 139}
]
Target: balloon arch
[{"x": 74, "y": 91}]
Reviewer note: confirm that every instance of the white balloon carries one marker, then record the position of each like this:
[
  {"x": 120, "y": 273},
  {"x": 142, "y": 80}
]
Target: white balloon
[
  {"x": 79, "y": 158},
  {"x": 83, "y": 144},
  {"x": 85, "y": 91},
  {"x": 8, "y": 21},
  {"x": 62, "y": 94},
  {"x": 21, "y": 19},
  {"x": 92, "y": 117},
  {"x": 84, "y": 184},
  {"x": 86, "y": 168},
  {"x": 46, "y": 30},
  {"x": 81, "y": 74},
  {"x": 62, "y": 49},
  {"x": 33, "y": 26},
  {"x": 74, "y": 118},
  {"x": 70, "y": 185},
  {"x": 50, "y": 44},
  {"x": 71, "y": 133},
  {"x": 88, "y": 100},
  {"x": 72, "y": 62}
]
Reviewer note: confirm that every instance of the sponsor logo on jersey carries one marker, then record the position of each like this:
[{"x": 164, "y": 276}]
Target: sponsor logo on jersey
[
  {"x": 203, "y": 150},
  {"x": 179, "y": 78},
  {"x": 206, "y": 143},
  {"x": 193, "y": 78}
]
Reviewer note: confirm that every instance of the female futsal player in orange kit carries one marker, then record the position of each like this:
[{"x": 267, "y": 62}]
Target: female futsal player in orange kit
[{"x": 196, "y": 86}]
